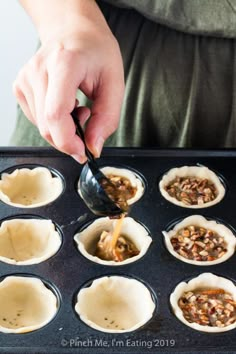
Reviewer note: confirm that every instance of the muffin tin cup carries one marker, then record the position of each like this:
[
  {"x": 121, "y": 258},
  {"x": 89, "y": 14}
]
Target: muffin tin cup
[
  {"x": 98, "y": 200},
  {"x": 28, "y": 239},
  {"x": 68, "y": 270},
  {"x": 223, "y": 230},
  {"x": 30, "y": 186},
  {"x": 115, "y": 304},
  {"x": 198, "y": 171},
  {"x": 203, "y": 281},
  {"x": 87, "y": 239},
  {"x": 136, "y": 179},
  {"x": 27, "y": 303}
]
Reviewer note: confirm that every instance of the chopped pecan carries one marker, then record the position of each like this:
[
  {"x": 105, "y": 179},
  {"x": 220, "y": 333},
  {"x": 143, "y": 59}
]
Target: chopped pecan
[
  {"x": 198, "y": 243},
  {"x": 192, "y": 190},
  {"x": 119, "y": 190},
  {"x": 211, "y": 307}
]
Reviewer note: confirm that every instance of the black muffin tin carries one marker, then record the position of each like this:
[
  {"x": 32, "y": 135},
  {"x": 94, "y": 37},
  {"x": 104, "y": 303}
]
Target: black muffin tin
[{"x": 68, "y": 270}]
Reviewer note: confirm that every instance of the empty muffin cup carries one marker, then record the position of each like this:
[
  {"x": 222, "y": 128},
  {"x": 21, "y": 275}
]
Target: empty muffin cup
[
  {"x": 30, "y": 188},
  {"x": 26, "y": 304},
  {"x": 115, "y": 304},
  {"x": 132, "y": 233},
  {"x": 192, "y": 187},
  {"x": 199, "y": 241},
  {"x": 28, "y": 241},
  {"x": 206, "y": 303}
]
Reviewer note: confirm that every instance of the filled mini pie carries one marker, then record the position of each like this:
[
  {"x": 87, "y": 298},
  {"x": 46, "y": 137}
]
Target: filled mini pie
[
  {"x": 28, "y": 241},
  {"x": 125, "y": 180},
  {"x": 30, "y": 188},
  {"x": 199, "y": 241},
  {"x": 206, "y": 303},
  {"x": 26, "y": 304},
  {"x": 115, "y": 304},
  {"x": 192, "y": 187},
  {"x": 132, "y": 244}
]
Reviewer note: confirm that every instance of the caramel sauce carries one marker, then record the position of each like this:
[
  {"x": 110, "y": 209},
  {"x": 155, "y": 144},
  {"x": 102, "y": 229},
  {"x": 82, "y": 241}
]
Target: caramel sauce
[
  {"x": 114, "y": 246},
  {"x": 116, "y": 232}
]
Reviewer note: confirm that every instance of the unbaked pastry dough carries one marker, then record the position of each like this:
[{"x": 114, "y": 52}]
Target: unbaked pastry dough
[
  {"x": 115, "y": 304},
  {"x": 26, "y": 304},
  {"x": 28, "y": 241},
  {"x": 28, "y": 188}
]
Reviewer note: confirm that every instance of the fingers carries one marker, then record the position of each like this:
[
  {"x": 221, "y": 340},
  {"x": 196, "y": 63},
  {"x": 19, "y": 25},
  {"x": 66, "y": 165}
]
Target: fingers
[
  {"x": 26, "y": 88},
  {"x": 40, "y": 88},
  {"x": 105, "y": 112},
  {"x": 59, "y": 102},
  {"x": 46, "y": 94},
  {"x": 46, "y": 90},
  {"x": 23, "y": 92}
]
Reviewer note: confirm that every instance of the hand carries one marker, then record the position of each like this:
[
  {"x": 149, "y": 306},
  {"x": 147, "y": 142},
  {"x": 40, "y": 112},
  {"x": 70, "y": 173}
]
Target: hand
[{"x": 88, "y": 58}]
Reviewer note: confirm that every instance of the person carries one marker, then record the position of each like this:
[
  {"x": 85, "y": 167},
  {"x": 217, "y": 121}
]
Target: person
[{"x": 176, "y": 57}]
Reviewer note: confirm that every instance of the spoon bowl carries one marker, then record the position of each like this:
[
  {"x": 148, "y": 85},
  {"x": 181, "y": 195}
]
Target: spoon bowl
[
  {"x": 93, "y": 194},
  {"x": 90, "y": 188}
]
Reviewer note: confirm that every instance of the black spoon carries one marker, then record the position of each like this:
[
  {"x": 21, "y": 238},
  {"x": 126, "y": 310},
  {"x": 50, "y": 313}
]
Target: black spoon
[{"x": 90, "y": 182}]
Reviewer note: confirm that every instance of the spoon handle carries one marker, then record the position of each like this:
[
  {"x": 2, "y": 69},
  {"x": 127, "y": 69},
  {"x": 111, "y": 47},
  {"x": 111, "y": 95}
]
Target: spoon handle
[
  {"x": 91, "y": 160},
  {"x": 80, "y": 133}
]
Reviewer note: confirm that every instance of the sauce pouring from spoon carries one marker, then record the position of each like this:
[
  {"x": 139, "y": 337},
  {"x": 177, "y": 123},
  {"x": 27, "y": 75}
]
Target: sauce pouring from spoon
[
  {"x": 92, "y": 182},
  {"x": 100, "y": 189}
]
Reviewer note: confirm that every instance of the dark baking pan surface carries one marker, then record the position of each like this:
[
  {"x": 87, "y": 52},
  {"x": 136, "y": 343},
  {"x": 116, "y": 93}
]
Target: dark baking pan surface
[{"x": 68, "y": 270}]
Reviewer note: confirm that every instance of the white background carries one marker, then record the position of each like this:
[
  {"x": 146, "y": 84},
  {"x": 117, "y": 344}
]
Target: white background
[{"x": 18, "y": 41}]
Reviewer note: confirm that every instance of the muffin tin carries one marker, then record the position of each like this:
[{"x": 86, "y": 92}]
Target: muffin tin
[{"x": 68, "y": 270}]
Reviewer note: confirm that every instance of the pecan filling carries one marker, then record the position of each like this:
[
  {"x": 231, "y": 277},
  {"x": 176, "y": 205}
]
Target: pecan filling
[
  {"x": 123, "y": 249},
  {"x": 120, "y": 191},
  {"x": 199, "y": 244},
  {"x": 208, "y": 307},
  {"x": 192, "y": 190}
]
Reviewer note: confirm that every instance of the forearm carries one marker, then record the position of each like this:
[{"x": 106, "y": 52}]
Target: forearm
[{"x": 60, "y": 18}]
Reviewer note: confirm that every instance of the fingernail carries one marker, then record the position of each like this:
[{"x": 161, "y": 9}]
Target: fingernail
[
  {"x": 79, "y": 158},
  {"x": 99, "y": 146}
]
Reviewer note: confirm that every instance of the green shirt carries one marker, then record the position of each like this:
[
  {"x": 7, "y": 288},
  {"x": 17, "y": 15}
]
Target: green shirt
[
  {"x": 180, "y": 68},
  {"x": 204, "y": 17}
]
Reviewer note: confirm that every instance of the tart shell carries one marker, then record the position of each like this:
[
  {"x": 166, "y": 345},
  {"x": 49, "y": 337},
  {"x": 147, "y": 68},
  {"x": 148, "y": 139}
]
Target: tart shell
[
  {"x": 208, "y": 281},
  {"x": 188, "y": 171},
  {"x": 198, "y": 220}
]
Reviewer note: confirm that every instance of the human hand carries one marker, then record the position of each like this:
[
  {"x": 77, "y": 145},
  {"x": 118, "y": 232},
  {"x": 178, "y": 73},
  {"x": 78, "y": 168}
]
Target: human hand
[{"x": 85, "y": 57}]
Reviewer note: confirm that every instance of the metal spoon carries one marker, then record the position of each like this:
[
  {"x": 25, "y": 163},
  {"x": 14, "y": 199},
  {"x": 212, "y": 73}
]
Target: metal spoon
[{"x": 91, "y": 177}]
